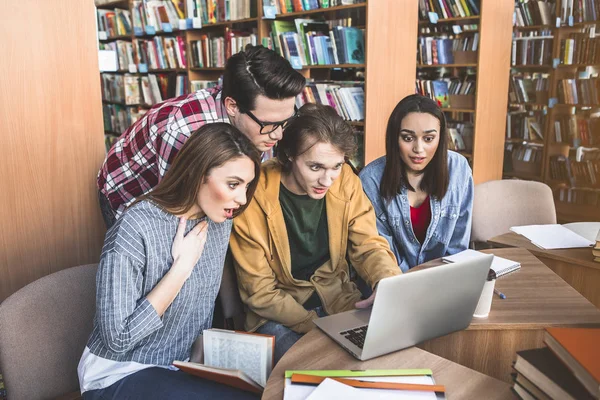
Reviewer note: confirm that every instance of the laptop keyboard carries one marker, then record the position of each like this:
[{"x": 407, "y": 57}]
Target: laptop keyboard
[{"x": 356, "y": 335}]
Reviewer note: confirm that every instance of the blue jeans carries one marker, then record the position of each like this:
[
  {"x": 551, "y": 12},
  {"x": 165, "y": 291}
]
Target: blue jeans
[
  {"x": 285, "y": 338},
  {"x": 162, "y": 383}
]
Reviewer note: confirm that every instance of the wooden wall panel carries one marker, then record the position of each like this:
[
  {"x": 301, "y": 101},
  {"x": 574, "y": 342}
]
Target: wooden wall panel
[
  {"x": 392, "y": 27},
  {"x": 492, "y": 89},
  {"x": 51, "y": 135}
]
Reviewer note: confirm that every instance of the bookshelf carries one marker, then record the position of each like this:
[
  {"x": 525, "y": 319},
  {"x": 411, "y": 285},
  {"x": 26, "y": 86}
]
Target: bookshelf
[
  {"x": 384, "y": 74},
  {"x": 567, "y": 108},
  {"x": 462, "y": 56},
  {"x": 386, "y": 78}
]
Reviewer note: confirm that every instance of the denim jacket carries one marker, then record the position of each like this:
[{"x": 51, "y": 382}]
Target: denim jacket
[{"x": 450, "y": 227}]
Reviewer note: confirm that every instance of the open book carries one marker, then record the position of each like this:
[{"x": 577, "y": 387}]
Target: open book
[
  {"x": 239, "y": 359},
  {"x": 501, "y": 266}
]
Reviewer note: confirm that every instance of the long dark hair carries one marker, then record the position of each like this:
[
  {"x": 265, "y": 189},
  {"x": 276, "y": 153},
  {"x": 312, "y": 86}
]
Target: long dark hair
[
  {"x": 315, "y": 123},
  {"x": 436, "y": 176},
  {"x": 209, "y": 147}
]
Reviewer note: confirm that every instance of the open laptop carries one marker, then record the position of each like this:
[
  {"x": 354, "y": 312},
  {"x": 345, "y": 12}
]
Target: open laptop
[{"x": 411, "y": 308}]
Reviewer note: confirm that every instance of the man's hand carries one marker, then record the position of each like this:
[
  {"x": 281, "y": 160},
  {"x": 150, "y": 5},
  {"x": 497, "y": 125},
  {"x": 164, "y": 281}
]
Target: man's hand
[{"x": 367, "y": 302}]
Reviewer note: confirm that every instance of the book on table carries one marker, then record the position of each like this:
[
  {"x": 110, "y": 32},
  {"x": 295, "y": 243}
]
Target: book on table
[
  {"x": 546, "y": 372},
  {"x": 579, "y": 350},
  {"x": 240, "y": 359}
]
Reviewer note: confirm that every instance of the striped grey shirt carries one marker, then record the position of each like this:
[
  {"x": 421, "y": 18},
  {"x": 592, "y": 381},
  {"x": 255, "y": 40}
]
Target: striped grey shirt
[{"x": 135, "y": 257}]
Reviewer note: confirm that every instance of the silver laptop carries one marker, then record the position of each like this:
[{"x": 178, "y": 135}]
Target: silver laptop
[{"x": 411, "y": 308}]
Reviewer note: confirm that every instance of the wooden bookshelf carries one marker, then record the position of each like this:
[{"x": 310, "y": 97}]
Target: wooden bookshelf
[
  {"x": 387, "y": 76},
  {"x": 490, "y": 71},
  {"x": 566, "y": 212}
]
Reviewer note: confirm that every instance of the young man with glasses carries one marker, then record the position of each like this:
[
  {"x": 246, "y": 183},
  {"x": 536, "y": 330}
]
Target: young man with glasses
[{"x": 257, "y": 97}]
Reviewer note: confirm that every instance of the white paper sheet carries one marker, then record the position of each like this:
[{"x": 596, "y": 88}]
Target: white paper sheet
[
  {"x": 552, "y": 236},
  {"x": 588, "y": 230},
  {"x": 301, "y": 392}
]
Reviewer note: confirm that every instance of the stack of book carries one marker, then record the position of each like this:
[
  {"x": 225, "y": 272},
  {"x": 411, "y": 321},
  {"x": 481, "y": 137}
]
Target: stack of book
[
  {"x": 569, "y": 368},
  {"x": 288, "y": 6},
  {"x": 346, "y": 97}
]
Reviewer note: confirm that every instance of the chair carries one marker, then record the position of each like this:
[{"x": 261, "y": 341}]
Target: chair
[
  {"x": 44, "y": 328},
  {"x": 229, "y": 299},
  {"x": 500, "y": 205}
]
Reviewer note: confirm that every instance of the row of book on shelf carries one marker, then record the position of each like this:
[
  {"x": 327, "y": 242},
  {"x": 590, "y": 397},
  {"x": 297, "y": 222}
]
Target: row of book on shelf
[
  {"x": 306, "y": 41},
  {"x": 164, "y": 52},
  {"x": 578, "y": 11},
  {"x": 534, "y": 12},
  {"x": 579, "y": 91},
  {"x": 578, "y": 130},
  {"x": 289, "y": 6},
  {"x": 146, "y": 89},
  {"x": 212, "y": 51},
  {"x": 447, "y": 9},
  {"x": 525, "y": 125},
  {"x": 567, "y": 368},
  {"x": 443, "y": 50},
  {"x": 577, "y": 173},
  {"x": 578, "y": 196},
  {"x": 581, "y": 48},
  {"x": 532, "y": 48},
  {"x": 529, "y": 88},
  {"x": 346, "y": 97}
]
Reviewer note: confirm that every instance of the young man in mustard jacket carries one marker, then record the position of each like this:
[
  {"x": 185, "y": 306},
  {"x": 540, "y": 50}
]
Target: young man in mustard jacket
[{"x": 308, "y": 220}]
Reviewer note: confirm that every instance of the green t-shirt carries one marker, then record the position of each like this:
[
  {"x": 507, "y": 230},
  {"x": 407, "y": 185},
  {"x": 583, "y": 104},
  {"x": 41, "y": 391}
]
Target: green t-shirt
[{"x": 306, "y": 224}]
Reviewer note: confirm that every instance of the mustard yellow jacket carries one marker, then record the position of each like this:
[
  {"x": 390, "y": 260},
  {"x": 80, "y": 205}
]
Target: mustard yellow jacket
[{"x": 262, "y": 260}]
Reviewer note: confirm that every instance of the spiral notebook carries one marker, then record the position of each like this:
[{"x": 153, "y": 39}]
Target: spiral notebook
[{"x": 501, "y": 266}]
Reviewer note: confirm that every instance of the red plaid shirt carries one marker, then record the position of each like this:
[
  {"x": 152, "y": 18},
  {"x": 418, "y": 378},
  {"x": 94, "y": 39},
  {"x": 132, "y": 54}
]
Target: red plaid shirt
[{"x": 144, "y": 153}]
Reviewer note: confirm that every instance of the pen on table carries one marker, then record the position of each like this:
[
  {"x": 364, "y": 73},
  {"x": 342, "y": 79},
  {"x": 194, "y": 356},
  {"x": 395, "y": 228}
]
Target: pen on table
[{"x": 500, "y": 294}]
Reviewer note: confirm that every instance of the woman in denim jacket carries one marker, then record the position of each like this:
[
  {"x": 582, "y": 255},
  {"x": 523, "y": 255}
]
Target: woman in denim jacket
[{"x": 422, "y": 192}]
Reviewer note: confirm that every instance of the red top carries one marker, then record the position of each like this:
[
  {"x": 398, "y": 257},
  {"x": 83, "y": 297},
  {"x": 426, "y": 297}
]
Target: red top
[{"x": 420, "y": 218}]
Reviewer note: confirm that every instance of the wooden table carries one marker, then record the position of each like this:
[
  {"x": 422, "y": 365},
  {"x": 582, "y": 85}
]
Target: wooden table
[
  {"x": 576, "y": 266},
  {"x": 317, "y": 351},
  {"x": 536, "y": 299}
]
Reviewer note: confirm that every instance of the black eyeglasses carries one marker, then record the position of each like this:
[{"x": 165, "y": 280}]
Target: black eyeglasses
[{"x": 269, "y": 127}]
